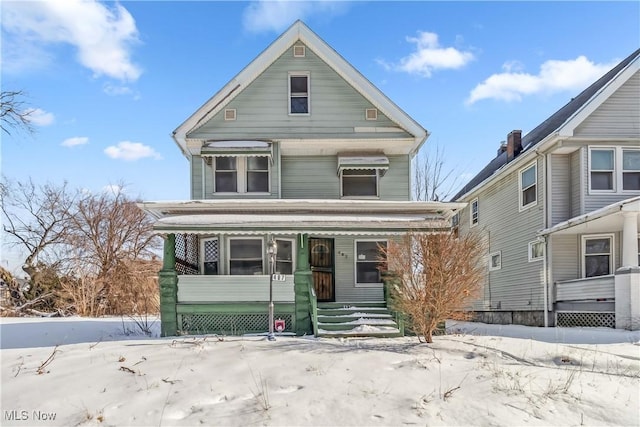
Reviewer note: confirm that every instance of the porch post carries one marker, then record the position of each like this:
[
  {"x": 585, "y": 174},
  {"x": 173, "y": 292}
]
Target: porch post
[
  {"x": 168, "y": 281},
  {"x": 302, "y": 282},
  {"x": 627, "y": 278}
]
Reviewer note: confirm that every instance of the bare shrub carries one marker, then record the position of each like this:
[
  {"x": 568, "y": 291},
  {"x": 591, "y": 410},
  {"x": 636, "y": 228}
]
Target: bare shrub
[{"x": 437, "y": 276}]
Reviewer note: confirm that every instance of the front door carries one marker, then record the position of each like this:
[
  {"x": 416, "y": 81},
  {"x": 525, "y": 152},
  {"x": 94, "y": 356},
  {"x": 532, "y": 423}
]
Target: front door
[{"x": 322, "y": 267}]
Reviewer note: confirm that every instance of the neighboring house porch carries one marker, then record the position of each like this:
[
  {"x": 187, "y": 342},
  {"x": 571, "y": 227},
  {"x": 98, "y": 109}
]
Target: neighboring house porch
[{"x": 594, "y": 271}]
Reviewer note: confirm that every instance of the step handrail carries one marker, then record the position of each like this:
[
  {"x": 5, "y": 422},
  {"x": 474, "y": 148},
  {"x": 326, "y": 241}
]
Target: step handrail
[{"x": 314, "y": 309}]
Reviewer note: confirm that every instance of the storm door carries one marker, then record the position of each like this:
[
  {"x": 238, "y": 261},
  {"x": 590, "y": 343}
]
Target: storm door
[{"x": 322, "y": 268}]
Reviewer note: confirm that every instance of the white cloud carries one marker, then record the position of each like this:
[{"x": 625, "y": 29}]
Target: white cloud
[
  {"x": 75, "y": 141},
  {"x": 39, "y": 117},
  {"x": 113, "y": 189},
  {"x": 554, "y": 76},
  {"x": 130, "y": 151},
  {"x": 430, "y": 56},
  {"x": 276, "y": 15},
  {"x": 103, "y": 36}
]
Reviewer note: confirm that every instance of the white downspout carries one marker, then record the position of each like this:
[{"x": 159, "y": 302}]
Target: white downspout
[{"x": 546, "y": 212}]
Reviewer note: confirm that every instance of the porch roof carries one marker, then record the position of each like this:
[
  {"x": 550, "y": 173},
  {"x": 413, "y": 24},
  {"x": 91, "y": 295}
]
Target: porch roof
[
  {"x": 604, "y": 220},
  {"x": 319, "y": 224}
]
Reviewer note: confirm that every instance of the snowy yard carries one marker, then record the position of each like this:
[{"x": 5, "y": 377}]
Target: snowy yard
[{"x": 479, "y": 375}]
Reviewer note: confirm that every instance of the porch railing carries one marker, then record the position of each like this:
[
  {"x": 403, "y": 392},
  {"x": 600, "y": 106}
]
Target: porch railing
[
  {"x": 201, "y": 288},
  {"x": 591, "y": 288}
]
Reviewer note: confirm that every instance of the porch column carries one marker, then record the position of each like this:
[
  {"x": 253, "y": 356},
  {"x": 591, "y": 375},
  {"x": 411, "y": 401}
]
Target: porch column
[
  {"x": 168, "y": 281},
  {"x": 630, "y": 239},
  {"x": 627, "y": 278},
  {"x": 302, "y": 282}
]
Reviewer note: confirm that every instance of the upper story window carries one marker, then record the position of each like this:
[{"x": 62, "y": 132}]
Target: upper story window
[
  {"x": 528, "y": 186},
  {"x": 630, "y": 169},
  {"x": 536, "y": 250},
  {"x": 241, "y": 174},
  {"x": 360, "y": 182},
  {"x": 614, "y": 169},
  {"x": 299, "y": 93},
  {"x": 597, "y": 254},
  {"x": 474, "y": 212},
  {"x": 601, "y": 169}
]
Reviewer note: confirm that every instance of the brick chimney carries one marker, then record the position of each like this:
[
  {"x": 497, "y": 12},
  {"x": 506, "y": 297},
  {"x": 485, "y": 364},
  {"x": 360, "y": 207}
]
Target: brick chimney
[{"x": 514, "y": 144}]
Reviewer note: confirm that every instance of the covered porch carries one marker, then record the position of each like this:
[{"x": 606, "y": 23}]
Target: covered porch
[
  {"x": 219, "y": 277},
  {"x": 593, "y": 267}
]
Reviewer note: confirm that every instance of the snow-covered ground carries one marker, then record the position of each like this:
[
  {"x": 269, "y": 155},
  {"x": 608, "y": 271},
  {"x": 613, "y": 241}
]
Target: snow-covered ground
[{"x": 477, "y": 375}]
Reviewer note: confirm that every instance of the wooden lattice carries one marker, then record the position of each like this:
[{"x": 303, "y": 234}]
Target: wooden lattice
[
  {"x": 187, "y": 254},
  {"x": 230, "y": 324},
  {"x": 588, "y": 319}
]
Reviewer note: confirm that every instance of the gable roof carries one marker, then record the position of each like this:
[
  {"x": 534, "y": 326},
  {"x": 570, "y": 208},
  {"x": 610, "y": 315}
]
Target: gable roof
[
  {"x": 564, "y": 121},
  {"x": 298, "y": 32}
]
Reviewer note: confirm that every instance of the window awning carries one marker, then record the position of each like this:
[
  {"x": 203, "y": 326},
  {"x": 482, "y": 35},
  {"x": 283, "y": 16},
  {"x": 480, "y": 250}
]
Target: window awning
[
  {"x": 362, "y": 162},
  {"x": 236, "y": 148}
]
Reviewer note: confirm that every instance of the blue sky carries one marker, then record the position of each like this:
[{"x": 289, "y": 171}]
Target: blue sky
[{"x": 109, "y": 82}]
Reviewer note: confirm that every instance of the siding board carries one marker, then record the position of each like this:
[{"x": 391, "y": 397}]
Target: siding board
[{"x": 561, "y": 189}]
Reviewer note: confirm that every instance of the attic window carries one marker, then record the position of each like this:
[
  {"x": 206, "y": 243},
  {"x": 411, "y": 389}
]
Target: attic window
[
  {"x": 298, "y": 51},
  {"x": 371, "y": 114},
  {"x": 299, "y": 93},
  {"x": 230, "y": 114}
]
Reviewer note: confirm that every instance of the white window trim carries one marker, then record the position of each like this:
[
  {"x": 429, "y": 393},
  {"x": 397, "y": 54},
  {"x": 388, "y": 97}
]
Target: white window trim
[
  {"x": 491, "y": 255},
  {"x": 471, "y": 223},
  {"x": 293, "y": 252},
  {"x": 614, "y": 173},
  {"x": 228, "y": 247},
  {"x": 241, "y": 183},
  {"x": 355, "y": 264},
  {"x": 583, "y": 249},
  {"x": 306, "y": 74},
  {"x": 540, "y": 258},
  {"x": 377, "y": 195},
  {"x": 621, "y": 172},
  {"x": 522, "y": 207},
  {"x": 201, "y": 261}
]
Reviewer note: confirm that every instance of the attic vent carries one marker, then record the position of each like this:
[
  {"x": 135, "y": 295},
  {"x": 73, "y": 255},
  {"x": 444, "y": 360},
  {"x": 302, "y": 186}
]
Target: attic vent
[
  {"x": 298, "y": 51},
  {"x": 371, "y": 114},
  {"x": 230, "y": 114}
]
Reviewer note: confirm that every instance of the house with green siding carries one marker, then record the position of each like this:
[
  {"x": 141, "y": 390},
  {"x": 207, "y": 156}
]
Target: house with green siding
[
  {"x": 560, "y": 211},
  {"x": 300, "y": 153}
]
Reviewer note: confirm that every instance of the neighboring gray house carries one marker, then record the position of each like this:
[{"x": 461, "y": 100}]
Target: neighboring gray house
[
  {"x": 560, "y": 211},
  {"x": 302, "y": 150}
]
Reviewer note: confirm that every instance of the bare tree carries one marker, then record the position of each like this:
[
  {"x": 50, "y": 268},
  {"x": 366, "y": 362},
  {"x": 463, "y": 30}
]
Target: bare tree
[
  {"x": 437, "y": 276},
  {"x": 37, "y": 218},
  {"x": 14, "y": 114},
  {"x": 432, "y": 182}
]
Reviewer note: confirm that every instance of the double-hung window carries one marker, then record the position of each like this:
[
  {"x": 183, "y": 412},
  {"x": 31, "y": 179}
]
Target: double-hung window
[
  {"x": 597, "y": 254},
  {"x": 602, "y": 169},
  {"x": 630, "y": 169},
  {"x": 474, "y": 212},
  {"x": 299, "y": 93},
  {"x": 284, "y": 257},
  {"x": 241, "y": 174},
  {"x": 528, "y": 186},
  {"x": 245, "y": 256},
  {"x": 369, "y": 261}
]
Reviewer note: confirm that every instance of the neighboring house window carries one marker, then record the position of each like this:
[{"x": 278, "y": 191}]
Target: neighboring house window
[
  {"x": 368, "y": 261},
  {"x": 536, "y": 250},
  {"x": 211, "y": 257},
  {"x": 495, "y": 261},
  {"x": 245, "y": 256},
  {"x": 359, "y": 182},
  {"x": 528, "y": 187},
  {"x": 284, "y": 257},
  {"x": 601, "y": 169},
  {"x": 299, "y": 93},
  {"x": 630, "y": 170},
  {"x": 241, "y": 174},
  {"x": 474, "y": 212},
  {"x": 597, "y": 255}
]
